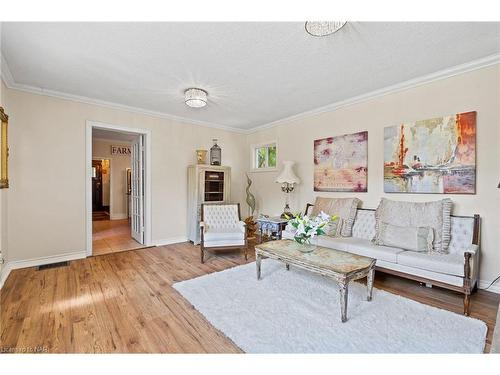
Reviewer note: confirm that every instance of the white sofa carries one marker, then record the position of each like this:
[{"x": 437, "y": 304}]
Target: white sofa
[{"x": 456, "y": 270}]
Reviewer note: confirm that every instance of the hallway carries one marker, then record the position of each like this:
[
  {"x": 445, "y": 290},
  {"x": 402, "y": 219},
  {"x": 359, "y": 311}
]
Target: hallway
[{"x": 112, "y": 236}]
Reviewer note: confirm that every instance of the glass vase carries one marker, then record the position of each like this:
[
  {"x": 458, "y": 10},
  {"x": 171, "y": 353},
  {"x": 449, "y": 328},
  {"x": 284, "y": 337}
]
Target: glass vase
[{"x": 307, "y": 245}]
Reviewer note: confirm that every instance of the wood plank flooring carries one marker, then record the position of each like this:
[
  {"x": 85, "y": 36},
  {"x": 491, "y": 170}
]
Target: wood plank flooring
[
  {"x": 124, "y": 302},
  {"x": 112, "y": 236}
]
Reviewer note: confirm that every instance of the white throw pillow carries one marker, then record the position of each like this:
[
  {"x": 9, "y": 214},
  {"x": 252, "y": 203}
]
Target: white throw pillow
[{"x": 409, "y": 238}]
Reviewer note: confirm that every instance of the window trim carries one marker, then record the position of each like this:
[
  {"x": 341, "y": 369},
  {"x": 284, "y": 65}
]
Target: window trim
[{"x": 253, "y": 161}]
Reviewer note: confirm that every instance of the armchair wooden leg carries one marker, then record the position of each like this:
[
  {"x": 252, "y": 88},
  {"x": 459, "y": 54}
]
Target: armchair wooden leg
[
  {"x": 246, "y": 253},
  {"x": 202, "y": 255}
]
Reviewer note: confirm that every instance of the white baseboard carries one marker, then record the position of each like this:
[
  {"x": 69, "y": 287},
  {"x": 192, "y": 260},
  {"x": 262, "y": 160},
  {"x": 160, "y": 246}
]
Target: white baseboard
[
  {"x": 34, "y": 262},
  {"x": 117, "y": 216},
  {"x": 169, "y": 241},
  {"x": 495, "y": 288},
  {"x": 4, "y": 273}
]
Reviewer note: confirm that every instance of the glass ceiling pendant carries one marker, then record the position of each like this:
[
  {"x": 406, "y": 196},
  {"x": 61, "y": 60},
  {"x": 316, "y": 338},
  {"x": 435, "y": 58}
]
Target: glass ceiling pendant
[
  {"x": 195, "y": 98},
  {"x": 323, "y": 28}
]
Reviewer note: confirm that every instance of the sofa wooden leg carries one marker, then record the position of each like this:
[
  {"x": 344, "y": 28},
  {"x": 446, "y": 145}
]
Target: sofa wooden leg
[{"x": 467, "y": 304}]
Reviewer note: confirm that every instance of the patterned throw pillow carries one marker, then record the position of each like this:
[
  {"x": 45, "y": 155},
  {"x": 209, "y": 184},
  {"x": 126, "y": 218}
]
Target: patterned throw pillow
[{"x": 409, "y": 238}]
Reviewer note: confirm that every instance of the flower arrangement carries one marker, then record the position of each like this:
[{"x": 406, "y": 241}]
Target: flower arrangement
[{"x": 306, "y": 227}]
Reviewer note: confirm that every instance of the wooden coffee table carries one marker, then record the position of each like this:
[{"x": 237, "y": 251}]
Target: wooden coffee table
[{"x": 340, "y": 266}]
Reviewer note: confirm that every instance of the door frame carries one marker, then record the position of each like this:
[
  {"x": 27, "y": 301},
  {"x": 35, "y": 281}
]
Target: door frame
[{"x": 88, "y": 177}]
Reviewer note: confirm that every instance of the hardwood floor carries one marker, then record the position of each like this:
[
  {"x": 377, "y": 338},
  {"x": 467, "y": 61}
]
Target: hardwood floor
[
  {"x": 124, "y": 302},
  {"x": 112, "y": 236}
]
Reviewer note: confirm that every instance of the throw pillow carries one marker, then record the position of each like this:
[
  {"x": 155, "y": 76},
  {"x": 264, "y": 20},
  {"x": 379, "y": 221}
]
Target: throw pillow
[
  {"x": 436, "y": 215},
  {"x": 344, "y": 208},
  {"x": 333, "y": 228},
  {"x": 409, "y": 238}
]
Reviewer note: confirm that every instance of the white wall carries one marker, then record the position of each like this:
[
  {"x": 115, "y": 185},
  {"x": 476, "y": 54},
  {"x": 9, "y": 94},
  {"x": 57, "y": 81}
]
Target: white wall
[
  {"x": 117, "y": 183},
  {"x": 47, "y": 175},
  {"x": 473, "y": 91}
]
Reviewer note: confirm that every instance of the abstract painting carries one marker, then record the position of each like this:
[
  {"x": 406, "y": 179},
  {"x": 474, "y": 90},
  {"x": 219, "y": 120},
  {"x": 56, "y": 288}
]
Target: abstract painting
[
  {"x": 431, "y": 156},
  {"x": 341, "y": 163}
]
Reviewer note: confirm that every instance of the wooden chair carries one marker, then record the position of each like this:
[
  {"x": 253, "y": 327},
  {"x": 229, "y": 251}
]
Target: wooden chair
[{"x": 222, "y": 229}]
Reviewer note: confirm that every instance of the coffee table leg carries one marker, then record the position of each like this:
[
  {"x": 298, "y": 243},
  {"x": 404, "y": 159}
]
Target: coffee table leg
[
  {"x": 369, "y": 283},
  {"x": 287, "y": 266},
  {"x": 343, "y": 301},
  {"x": 258, "y": 259}
]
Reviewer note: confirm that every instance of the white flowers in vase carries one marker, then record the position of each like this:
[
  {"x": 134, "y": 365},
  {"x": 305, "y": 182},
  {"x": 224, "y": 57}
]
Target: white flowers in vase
[{"x": 306, "y": 227}]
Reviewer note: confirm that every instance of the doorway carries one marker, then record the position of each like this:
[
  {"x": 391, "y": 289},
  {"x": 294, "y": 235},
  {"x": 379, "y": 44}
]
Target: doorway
[
  {"x": 118, "y": 188},
  {"x": 101, "y": 172}
]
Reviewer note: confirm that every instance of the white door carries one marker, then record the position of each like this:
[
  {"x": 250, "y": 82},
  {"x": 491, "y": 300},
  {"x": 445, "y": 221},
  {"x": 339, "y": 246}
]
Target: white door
[{"x": 137, "y": 194}]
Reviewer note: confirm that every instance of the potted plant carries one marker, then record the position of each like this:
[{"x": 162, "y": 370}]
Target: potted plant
[{"x": 307, "y": 229}]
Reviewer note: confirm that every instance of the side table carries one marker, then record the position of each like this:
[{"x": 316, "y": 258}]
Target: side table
[{"x": 272, "y": 226}]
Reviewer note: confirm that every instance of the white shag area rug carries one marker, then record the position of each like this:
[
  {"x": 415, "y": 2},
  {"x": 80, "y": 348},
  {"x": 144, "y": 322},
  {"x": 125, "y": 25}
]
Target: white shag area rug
[{"x": 298, "y": 312}]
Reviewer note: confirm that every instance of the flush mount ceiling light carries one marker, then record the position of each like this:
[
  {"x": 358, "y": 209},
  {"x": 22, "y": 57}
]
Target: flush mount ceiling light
[
  {"x": 321, "y": 28},
  {"x": 195, "y": 98}
]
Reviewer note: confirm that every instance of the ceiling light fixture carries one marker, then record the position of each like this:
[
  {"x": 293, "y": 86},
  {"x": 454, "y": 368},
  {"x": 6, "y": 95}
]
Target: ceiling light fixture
[
  {"x": 321, "y": 28},
  {"x": 195, "y": 98}
]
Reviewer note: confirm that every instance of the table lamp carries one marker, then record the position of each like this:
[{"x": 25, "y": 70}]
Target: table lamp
[{"x": 288, "y": 180}]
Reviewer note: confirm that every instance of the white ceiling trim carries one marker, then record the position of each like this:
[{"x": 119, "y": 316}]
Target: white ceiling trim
[
  {"x": 439, "y": 75},
  {"x": 5, "y": 72},
  {"x": 11, "y": 84}
]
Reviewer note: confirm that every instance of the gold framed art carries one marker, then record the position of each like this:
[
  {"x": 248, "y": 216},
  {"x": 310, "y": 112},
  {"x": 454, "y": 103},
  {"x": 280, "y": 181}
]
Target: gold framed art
[{"x": 4, "y": 151}]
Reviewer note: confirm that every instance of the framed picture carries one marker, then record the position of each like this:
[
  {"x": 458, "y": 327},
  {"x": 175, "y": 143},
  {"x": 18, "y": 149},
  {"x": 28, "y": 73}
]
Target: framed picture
[
  {"x": 431, "y": 156},
  {"x": 4, "y": 151},
  {"x": 341, "y": 163}
]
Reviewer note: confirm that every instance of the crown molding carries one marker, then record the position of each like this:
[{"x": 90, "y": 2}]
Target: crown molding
[
  {"x": 439, "y": 75},
  {"x": 436, "y": 76},
  {"x": 5, "y": 73},
  {"x": 11, "y": 84}
]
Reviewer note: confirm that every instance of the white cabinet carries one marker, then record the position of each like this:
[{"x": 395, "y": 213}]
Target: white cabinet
[{"x": 206, "y": 184}]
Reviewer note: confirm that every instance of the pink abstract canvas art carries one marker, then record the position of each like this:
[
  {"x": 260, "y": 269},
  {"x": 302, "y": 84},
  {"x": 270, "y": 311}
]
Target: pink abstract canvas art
[{"x": 341, "y": 163}]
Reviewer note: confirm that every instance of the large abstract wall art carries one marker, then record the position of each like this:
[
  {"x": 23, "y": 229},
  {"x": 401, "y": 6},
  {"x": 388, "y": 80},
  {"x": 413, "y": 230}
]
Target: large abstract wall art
[
  {"x": 431, "y": 156},
  {"x": 341, "y": 163}
]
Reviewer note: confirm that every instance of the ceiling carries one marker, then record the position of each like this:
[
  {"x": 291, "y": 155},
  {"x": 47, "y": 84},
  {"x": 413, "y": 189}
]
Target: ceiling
[
  {"x": 255, "y": 73},
  {"x": 113, "y": 135}
]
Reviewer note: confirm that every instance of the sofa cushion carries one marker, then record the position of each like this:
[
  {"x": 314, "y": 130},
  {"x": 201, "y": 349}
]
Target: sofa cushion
[
  {"x": 417, "y": 214},
  {"x": 451, "y": 264},
  {"x": 224, "y": 234},
  {"x": 338, "y": 243},
  {"x": 344, "y": 208},
  {"x": 361, "y": 246}
]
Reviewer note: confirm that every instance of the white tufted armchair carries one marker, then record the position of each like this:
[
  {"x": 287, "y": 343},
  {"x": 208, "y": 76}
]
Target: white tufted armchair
[{"x": 222, "y": 229}]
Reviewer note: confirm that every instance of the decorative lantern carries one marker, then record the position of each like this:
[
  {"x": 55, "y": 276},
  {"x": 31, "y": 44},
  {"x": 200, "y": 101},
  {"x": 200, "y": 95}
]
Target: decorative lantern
[{"x": 215, "y": 154}]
